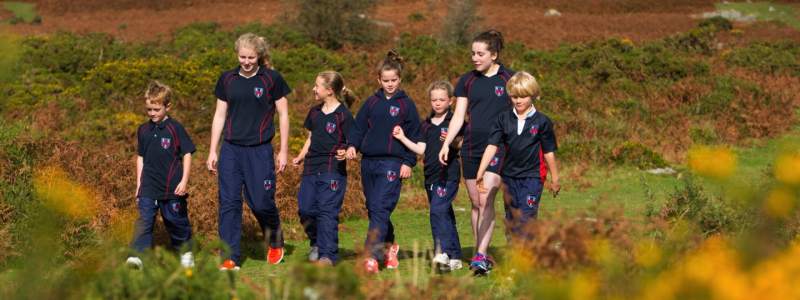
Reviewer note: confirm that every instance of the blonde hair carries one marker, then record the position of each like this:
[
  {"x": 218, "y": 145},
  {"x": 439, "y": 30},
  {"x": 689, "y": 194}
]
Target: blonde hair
[
  {"x": 334, "y": 81},
  {"x": 158, "y": 93},
  {"x": 523, "y": 84},
  {"x": 258, "y": 44},
  {"x": 441, "y": 85}
]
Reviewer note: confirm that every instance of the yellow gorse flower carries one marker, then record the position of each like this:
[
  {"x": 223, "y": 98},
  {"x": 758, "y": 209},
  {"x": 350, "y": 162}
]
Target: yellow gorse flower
[{"x": 713, "y": 162}]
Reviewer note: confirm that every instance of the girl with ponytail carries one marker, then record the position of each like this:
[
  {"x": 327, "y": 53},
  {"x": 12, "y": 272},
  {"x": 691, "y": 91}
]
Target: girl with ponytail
[
  {"x": 325, "y": 170},
  {"x": 385, "y": 160}
]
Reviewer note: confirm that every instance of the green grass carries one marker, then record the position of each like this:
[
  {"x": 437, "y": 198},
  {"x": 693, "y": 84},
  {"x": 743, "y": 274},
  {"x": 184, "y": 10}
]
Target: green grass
[
  {"x": 619, "y": 187},
  {"x": 10, "y": 53},
  {"x": 22, "y": 10},
  {"x": 781, "y": 12}
]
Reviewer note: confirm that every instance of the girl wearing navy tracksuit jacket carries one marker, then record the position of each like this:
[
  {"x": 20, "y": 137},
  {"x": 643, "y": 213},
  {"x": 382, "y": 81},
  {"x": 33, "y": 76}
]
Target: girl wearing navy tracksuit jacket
[
  {"x": 385, "y": 160},
  {"x": 325, "y": 170}
]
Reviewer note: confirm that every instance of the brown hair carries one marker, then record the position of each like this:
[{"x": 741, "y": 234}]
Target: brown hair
[
  {"x": 392, "y": 61},
  {"x": 493, "y": 40},
  {"x": 258, "y": 44},
  {"x": 334, "y": 81},
  {"x": 158, "y": 93}
]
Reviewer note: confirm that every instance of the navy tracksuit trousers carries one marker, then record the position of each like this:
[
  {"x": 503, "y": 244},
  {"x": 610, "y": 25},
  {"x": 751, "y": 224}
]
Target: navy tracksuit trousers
[
  {"x": 319, "y": 202},
  {"x": 443, "y": 218},
  {"x": 524, "y": 204},
  {"x": 381, "y": 182},
  {"x": 176, "y": 219},
  {"x": 253, "y": 167}
]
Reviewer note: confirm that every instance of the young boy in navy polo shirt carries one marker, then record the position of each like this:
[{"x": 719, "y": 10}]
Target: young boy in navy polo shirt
[
  {"x": 441, "y": 181},
  {"x": 530, "y": 142},
  {"x": 162, "y": 175}
]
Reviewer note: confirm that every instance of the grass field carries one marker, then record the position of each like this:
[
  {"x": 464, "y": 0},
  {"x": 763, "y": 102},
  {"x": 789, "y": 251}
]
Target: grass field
[
  {"x": 26, "y": 12},
  {"x": 766, "y": 11},
  {"x": 617, "y": 187}
]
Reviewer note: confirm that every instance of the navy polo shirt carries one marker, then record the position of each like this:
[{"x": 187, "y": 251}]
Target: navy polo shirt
[
  {"x": 251, "y": 105},
  {"x": 375, "y": 121},
  {"x": 162, "y": 146},
  {"x": 328, "y": 134},
  {"x": 434, "y": 170},
  {"x": 487, "y": 99},
  {"x": 525, "y": 151}
]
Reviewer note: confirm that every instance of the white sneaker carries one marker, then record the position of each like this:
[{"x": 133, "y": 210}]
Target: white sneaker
[
  {"x": 455, "y": 264},
  {"x": 134, "y": 262},
  {"x": 441, "y": 259},
  {"x": 187, "y": 260}
]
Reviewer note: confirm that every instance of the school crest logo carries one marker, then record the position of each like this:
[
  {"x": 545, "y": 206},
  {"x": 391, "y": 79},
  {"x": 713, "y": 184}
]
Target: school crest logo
[
  {"x": 268, "y": 184},
  {"x": 443, "y": 131},
  {"x": 494, "y": 161},
  {"x": 258, "y": 92},
  {"x": 441, "y": 191},
  {"x": 334, "y": 185},
  {"x": 166, "y": 142},
  {"x": 330, "y": 127},
  {"x": 534, "y": 130},
  {"x": 176, "y": 206},
  {"x": 499, "y": 90},
  {"x": 531, "y": 200},
  {"x": 394, "y": 111},
  {"x": 391, "y": 176}
]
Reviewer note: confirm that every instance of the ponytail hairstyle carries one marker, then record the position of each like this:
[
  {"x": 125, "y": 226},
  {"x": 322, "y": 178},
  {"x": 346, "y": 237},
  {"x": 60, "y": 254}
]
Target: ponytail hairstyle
[
  {"x": 334, "y": 81},
  {"x": 258, "y": 44},
  {"x": 158, "y": 93},
  {"x": 493, "y": 40},
  {"x": 392, "y": 61}
]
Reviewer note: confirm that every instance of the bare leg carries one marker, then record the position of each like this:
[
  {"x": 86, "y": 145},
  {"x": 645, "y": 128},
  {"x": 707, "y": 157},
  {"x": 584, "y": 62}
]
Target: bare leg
[
  {"x": 474, "y": 197},
  {"x": 491, "y": 182}
]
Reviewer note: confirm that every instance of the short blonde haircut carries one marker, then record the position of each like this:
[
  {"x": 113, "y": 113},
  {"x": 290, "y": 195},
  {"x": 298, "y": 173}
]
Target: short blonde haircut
[
  {"x": 441, "y": 85},
  {"x": 158, "y": 93},
  {"x": 523, "y": 84}
]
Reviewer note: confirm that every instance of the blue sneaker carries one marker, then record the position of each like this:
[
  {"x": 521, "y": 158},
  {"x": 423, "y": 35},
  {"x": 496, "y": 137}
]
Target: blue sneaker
[{"x": 480, "y": 265}]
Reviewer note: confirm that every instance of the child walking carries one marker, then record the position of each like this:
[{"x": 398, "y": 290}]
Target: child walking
[
  {"x": 325, "y": 170},
  {"x": 247, "y": 99},
  {"x": 385, "y": 161},
  {"x": 531, "y": 142},
  {"x": 441, "y": 181},
  {"x": 162, "y": 176}
]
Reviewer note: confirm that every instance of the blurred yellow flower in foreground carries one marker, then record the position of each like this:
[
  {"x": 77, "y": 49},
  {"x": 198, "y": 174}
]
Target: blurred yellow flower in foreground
[
  {"x": 779, "y": 203},
  {"x": 647, "y": 253},
  {"x": 714, "y": 162},
  {"x": 787, "y": 168},
  {"x": 53, "y": 186}
]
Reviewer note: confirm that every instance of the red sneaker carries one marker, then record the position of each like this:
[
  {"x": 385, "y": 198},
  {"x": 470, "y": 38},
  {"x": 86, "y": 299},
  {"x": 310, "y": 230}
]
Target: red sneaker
[
  {"x": 228, "y": 265},
  {"x": 371, "y": 266},
  {"x": 391, "y": 256},
  {"x": 274, "y": 255}
]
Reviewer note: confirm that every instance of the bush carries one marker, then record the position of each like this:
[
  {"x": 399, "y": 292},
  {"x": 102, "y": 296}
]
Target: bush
[
  {"x": 302, "y": 64},
  {"x": 718, "y": 23},
  {"x": 278, "y": 36},
  {"x": 768, "y": 58},
  {"x": 460, "y": 22},
  {"x": 710, "y": 214},
  {"x": 69, "y": 56},
  {"x": 332, "y": 23},
  {"x": 638, "y": 155}
]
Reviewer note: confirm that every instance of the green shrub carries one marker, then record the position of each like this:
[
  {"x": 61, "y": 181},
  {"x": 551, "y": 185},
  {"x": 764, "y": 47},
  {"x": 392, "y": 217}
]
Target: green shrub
[
  {"x": 637, "y": 155},
  {"x": 460, "y": 22},
  {"x": 332, "y": 23},
  {"x": 69, "y": 56},
  {"x": 302, "y": 64},
  {"x": 768, "y": 58},
  {"x": 710, "y": 214},
  {"x": 277, "y": 35},
  {"x": 200, "y": 37},
  {"x": 698, "y": 40},
  {"x": 718, "y": 23}
]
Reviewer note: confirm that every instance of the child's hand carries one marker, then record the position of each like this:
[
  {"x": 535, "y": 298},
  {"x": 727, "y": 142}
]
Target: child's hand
[
  {"x": 555, "y": 187},
  {"x": 283, "y": 157},
  {"x": 297, "y": 160},
  {"x": 444, "y": 154},
  {"x": 341, "y": 154},
  {"x": 181, "y": 189},
  {"x": 398, "y": 133},
  {"x": 211, "y": 163},
  {"x": 351, "y": 153},
  {"x": 479, "y": 183},
  {"x": 405, "y": 172}
]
